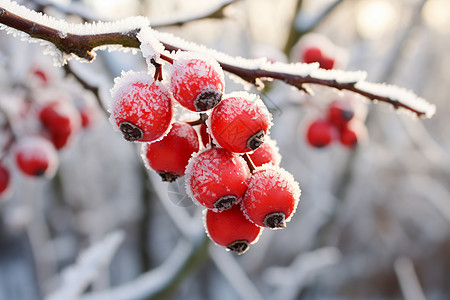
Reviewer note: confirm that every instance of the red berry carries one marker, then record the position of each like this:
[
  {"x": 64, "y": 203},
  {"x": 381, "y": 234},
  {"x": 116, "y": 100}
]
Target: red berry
[
  {"x": 231, "y": 229},
  {"x": 36, "y": 156},
  {"x": 314, "y": 54},
  {"x": 311, "y": 55},
  {"x": 4, "y": 180},
  {"x": 266, "y": 153},
  {"x": 348, "y": 136},
  {"x": 271, "y": 198},
  {"x": 141, "y": 107},
  {"x": 61, "y": 120},
  {"x": 197, "y": 83},
  {"x": 217, "y": 178},
  {"x": 240, "y": 122},
  {"x": 320, "y": 133},
  {"x": 169, "y": 156},
  {"x": 340, "y": 112}
]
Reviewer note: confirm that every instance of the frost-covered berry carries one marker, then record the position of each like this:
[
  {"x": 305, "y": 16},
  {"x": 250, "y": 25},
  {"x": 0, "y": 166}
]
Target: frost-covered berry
[
  {"x": 348, "y": 136},
  {"x": 320, "y": 133},
  {"x": 169, "y": 156},
  {"x": 216, "y": 178},
  {"x": 61, "y": 120},
  {"x": 141, "y": 108},
  {"x": 4, "y": 179},
  {"x": 340, "y": 112},
  {"x": 268, "y": 152},
  {"x": 231, "y": 229},
  {"x": 197, "y": 82},
  {"x": 271, "y": 198},
  {"x": 240, "y": 122},
  {"x": 35, "y": 156}
]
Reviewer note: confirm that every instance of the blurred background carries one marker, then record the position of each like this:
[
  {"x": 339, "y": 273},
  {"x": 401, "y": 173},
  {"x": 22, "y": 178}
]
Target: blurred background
[{"x": 373, "y": 220}]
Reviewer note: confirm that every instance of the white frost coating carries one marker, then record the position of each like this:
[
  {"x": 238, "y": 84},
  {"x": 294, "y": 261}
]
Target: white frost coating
[
  {"x": 300, "y": 69},
  {"x": 76, "y": 278},
  {"x": 399, "y": 94},
  {"x": 340, "y": 76},
  {"x": 150, "y": 46}
]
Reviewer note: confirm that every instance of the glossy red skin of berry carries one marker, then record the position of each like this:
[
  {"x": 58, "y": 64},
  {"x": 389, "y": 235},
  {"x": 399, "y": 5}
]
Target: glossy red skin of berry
[
  {"x": 61, "y": 121},
  {"x": 36, "y": 156},
  {"x": 270, "y": 190},
  {"x": 191, "y": 77},
  {"x": 236, "y": 120},
  {"x": 314, "y": 54},
  {"x": 266, "y": 153},
  {"x": 4, "y": 179},
  {"x": 145, "y": 104},
  {"x": 340, "y": 113},
  {"x": 172, "y": 153},
  {"x": 229, "y": 226},
  {"x": 348, "y": 137},
  {"x": 320, "y": 133},
  {"x": 215, "y": 173}
]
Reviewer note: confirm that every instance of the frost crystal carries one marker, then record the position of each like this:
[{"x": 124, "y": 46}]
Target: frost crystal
[{"x": 150, "y": 46}]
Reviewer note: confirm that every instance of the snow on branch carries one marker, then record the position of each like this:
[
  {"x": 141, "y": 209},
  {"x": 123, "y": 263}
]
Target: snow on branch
[
  {"x": 81, "y": 39},
  {"x": 76, "y": 278}
]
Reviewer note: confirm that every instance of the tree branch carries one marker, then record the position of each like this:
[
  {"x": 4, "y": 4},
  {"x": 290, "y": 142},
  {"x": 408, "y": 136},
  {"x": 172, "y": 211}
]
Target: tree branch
[{"x": 83, "y": 46}]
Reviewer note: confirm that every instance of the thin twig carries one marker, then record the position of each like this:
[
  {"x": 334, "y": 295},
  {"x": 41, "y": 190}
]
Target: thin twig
[{"x": 94, "y": 89}]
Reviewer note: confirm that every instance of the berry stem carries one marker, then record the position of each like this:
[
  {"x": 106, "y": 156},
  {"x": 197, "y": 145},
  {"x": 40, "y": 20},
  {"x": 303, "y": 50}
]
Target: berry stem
[
  {"x": 249, "y": 162},
  {"x": 201, "y": 120}
]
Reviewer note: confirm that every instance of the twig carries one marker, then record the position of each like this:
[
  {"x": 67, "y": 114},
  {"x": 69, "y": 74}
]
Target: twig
[
  {"x": 407, "y": 278},
  {"x": 214, "y": 13},
  {"x": 83, "y": 46}
]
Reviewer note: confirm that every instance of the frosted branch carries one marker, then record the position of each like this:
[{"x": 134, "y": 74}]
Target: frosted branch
[
  {"x": 76, "y": 278},
  {"x": 81, "y": 40}
]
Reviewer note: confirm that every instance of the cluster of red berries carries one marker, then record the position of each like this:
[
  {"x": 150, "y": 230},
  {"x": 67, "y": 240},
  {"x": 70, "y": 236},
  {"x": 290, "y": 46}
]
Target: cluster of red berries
[
  {"x": 340, "y": 123},
  {"x": 231, "y": 165},
  {"x": 44, "y": 119}
]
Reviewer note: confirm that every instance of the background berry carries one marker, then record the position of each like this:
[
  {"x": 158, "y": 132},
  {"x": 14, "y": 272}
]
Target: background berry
[{"x": 36, "y": 156}]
